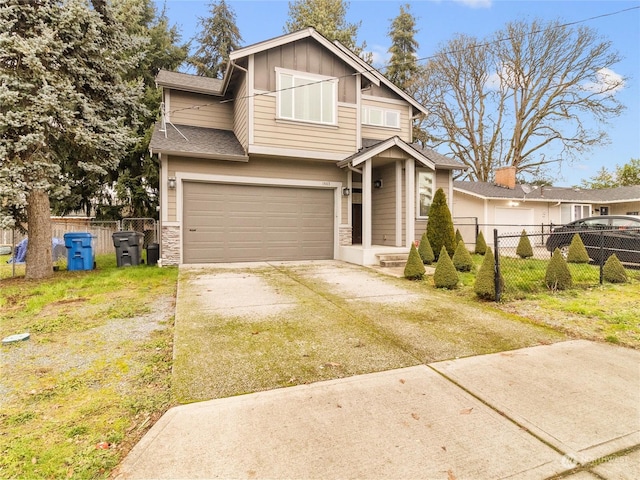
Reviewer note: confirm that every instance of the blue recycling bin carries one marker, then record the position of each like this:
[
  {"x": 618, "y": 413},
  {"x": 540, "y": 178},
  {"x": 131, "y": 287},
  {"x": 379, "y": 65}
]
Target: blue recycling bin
[{"x": 80, "y": 254}]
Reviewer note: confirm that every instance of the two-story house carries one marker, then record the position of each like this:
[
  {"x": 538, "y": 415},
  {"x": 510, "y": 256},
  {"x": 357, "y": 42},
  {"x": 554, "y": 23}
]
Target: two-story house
[{"x": 302, "y": 151}]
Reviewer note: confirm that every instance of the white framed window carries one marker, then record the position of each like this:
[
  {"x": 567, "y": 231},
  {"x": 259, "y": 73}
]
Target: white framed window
[
  {"x": 425, "y": 188},
  {"x": 306, "y": 97},
  {"x": 380, "y": 117}
]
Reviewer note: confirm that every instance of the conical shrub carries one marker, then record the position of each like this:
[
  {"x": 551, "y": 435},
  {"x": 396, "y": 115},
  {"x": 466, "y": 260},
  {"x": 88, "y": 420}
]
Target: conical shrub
[
  {"x": 577, "y": 253},
  {"x": 485, "y": 286},
  {"x": 481, "y": 244},
  {"x": 524, "y": 249},
  {"x": 414, "y": 269},
  {"x": 613, "y": 270},
  {"x": 445, "y": 275},
  {"x": 458, "y": 237},
  {"x": 558, "y": 276},
  {"x": 425, "y": 251},
  {"x": 462, "y": 260},
  {"x": 440, "y": 225}
]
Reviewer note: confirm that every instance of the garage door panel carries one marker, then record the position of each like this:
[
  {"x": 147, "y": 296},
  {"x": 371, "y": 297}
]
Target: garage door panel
[{"x": 230, "y": 223}]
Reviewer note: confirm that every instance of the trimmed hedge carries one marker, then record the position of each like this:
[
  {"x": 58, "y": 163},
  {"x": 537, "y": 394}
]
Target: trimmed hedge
[
  {"x": 577, "y": 253},
  {"x": 445, "y": 275},
  {"x": 558, "y": 276},
  {"x": 485, "y": 285},
  {"x": 481, "y": 244},
  {"x": 440, "y": 225},
  {"x": 524, "y": 249},
  {"x": 414, "y": 268},
  {"x": 462, "y": 260},
  {"x": 613, "y": 271},
  {"x": 425, "y": 251}
]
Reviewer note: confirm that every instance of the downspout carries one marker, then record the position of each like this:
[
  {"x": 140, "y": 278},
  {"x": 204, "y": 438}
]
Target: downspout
[{"x": 353, "y": 169}]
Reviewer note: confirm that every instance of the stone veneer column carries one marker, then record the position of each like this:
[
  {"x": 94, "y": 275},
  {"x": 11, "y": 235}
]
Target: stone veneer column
[
  {"x": 345, "y": 232},
  {"x": 170, "y": 245}
]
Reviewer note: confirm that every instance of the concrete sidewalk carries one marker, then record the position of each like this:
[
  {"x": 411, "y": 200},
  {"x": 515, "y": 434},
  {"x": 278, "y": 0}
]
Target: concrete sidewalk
[{"x": 530, "y": 413}]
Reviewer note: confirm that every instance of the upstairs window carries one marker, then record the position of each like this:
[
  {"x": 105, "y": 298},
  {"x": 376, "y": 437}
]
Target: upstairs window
[
  {"x": 306, "y": 97},
  {"x": 380, "y": 117},
  {"x": 425, "y": 183}
]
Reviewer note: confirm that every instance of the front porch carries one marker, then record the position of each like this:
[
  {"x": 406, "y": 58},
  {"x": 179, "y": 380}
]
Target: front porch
[{"x": 360, "y": 255}]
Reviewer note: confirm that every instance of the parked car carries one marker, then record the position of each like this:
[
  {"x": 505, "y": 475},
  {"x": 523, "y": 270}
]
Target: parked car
[{"x": 602, "y": 236}]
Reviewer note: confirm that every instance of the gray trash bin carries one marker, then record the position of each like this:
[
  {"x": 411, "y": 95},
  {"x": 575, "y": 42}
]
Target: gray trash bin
[
  {"x": 153, "y": 254},
  {"x": 128, "y": 248}
]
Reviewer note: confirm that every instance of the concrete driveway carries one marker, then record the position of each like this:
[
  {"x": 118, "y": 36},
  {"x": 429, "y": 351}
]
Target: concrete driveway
[{"x": 571, "y": 408}]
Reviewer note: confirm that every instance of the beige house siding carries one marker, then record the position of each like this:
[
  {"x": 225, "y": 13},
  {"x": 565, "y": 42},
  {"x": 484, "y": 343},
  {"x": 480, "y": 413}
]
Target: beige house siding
[
  {"x": 304, "y": 56},
  {"x": 382, "y": 133},
  {"x": 241, "y": 114},
  {"x": 263, "y": 167},
  {"x": 624, "y": 208},
  {"x": 383, "y": 203},
  {"x": 303, "y": 136},
  {"x": 200, "y": 110}
]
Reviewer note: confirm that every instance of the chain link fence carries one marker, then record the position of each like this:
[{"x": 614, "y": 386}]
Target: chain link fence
[
  {"x": 522, "y": 257},
  {"x": 13, "y": 242}
]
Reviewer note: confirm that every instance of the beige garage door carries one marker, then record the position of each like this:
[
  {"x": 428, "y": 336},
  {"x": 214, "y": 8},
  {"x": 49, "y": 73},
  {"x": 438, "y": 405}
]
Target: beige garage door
[{"x": 240, "y": 223}]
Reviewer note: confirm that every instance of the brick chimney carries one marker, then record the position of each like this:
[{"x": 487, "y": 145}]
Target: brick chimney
[{"x": 506, "y": 177}]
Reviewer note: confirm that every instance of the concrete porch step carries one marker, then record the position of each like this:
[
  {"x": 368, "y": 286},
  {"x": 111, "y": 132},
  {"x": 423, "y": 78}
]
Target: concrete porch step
[{"x": 392, "y": 259}]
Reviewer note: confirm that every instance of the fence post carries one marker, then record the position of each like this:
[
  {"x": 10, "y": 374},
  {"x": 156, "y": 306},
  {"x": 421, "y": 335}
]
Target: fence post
[
  {"x": 13, "y": 252},
  {"x": 496, "y": 272},
  {"x": 477, "y": 228},
  {"x": 601, "y": 259}
]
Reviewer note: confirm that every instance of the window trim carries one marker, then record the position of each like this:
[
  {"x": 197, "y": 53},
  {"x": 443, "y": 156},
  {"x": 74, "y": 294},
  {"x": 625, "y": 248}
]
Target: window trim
[
  {"x": 366, "y": 109},
  {"x": 417, "y": 192},
  {"x": 295, "y": 74}
]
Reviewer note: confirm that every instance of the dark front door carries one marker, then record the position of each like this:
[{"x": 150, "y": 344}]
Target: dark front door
[{"x": 356, "y": 221}]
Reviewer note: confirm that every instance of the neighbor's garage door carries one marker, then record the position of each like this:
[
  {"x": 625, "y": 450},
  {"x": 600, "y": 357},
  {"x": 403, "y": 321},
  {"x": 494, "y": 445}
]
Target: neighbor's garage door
[
  {"x": 513, "y": 220},
  {"x": 244, "y": 223}
]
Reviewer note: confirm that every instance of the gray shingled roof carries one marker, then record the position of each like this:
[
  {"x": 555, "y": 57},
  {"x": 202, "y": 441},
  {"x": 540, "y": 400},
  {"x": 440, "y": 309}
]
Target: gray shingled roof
[
  {"x": 189, "y": 83},
  {"x": 550, "y": 194},
  {"x": 439, "y": 160},
  {"x": 203, "y": 142}
]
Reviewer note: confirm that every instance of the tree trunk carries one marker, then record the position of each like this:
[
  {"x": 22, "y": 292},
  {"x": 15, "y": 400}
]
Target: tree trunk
[{"x": 39, "y": 255}]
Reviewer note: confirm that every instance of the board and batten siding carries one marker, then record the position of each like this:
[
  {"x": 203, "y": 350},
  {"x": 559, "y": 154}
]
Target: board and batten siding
[
  {"x": 264, "y": 167},
  {"x": 308, "y": 56},
  {"x": 200, "y": 110},
  {"x": 241, "y": 114},
  {"x": 383, "y": 204},
  {"x": 382, "y": 133},
  {"x": 287, "y": 134}
]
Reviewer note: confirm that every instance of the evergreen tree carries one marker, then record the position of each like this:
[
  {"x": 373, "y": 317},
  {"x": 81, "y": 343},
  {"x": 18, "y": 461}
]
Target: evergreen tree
[
  {"x": 440, "y": 225},
  {"x": 613, "y": 271},
  {"x": 65, "y": 99},
  {"x": 577, "y": 252},
  {"x": 462, "y": 258},
  {"x": 414, "y": 268},
  {"x": 485, "y": 285},
  {"x": 481, "y": 244},
  {"x": 425, "y": 251},
  {"x": 445, "y": 275},
  {"x": 131, "y": 189},
  {"x": 403, "y": 65},
  {"x": 217, "y": 38},
  {"x": 458, "y": 237},
  {"x": 524, "y": 249},
  {"x": 558, "y": 275},
  {"x": 328, "y": 17}
]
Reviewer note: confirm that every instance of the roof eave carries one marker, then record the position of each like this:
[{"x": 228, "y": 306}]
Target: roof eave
[{"x": 207, "y": 155}]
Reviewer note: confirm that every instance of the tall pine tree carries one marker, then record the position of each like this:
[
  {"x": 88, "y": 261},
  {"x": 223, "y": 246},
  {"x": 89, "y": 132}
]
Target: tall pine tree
[
  {"x": 218, "y": 37},
  {"x": 329, "y": 18},
  {"x": 403, "y": 65},
  {"x": 65, "y": 100}
]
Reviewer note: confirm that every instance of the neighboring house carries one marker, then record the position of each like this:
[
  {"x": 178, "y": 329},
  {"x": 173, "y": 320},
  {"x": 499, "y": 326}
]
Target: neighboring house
[
  {"x": 510, "y": 207},
  {"x": 302, "y": 151}
]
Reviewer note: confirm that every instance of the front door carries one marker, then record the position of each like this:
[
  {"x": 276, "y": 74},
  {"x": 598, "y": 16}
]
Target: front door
[{"x": 356, "y": 221}]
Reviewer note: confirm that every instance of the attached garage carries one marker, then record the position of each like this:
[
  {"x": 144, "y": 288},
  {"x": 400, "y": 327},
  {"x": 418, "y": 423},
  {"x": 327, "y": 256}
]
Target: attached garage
[
  {"x": 509, "y": 220},
  {"x": 247, "y": 223}
]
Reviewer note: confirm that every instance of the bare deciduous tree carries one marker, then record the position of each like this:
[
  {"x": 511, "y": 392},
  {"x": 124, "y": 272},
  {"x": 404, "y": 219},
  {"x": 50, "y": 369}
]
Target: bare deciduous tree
[{"x": 523, "y": 98}]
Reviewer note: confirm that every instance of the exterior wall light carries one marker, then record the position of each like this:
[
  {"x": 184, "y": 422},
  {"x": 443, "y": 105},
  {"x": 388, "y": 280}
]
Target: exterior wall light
[
  {"x": 172, "y": 183},
  {"x": 377, "y": 184},
  {"x": 346, "y": 191}
]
